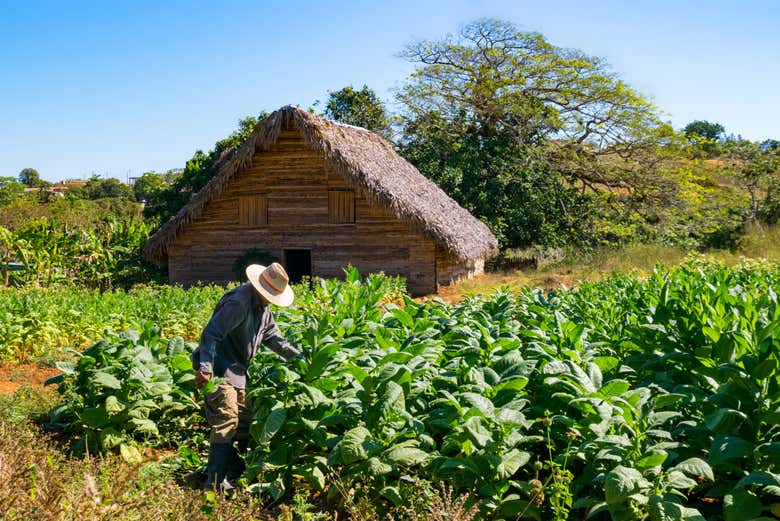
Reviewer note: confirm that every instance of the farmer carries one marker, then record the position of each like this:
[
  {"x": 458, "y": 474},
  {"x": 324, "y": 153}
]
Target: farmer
[{"x": 241, "y": 321}]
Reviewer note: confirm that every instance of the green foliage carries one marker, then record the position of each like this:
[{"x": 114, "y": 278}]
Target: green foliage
[
  {"x": 51, "y": 253},
  {"x": 757, "y": 171},
  {"x": 10, "y": 190},
  {"x": 705, "y": 137},
  {"x": 653, "y": 398},
  {"x": 704, "y": 129},
  {"x": 98, "y": 188},
  {"x": 149, "y": 185},
  {"x": 128, "y": 387},
  {"x": 39, "y": 323},
  {"x": 361, "y": 108},
  {"x": 646, "y": 394},
  {"x": 528, "y": 136},
  {"x": 30, "y": 177}
]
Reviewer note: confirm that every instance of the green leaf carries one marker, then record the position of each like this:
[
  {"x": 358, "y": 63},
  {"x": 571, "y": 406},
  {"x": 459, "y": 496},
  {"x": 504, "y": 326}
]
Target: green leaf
[
  {"x": 727, "y": 448},
  {"x": 665, "y": 400},
  {"x": 725, "y": 420},
  {"x": 696, "y": 468},
  {"x": 760, "y": 478},
  {"x": 320, "y": 361},
  {"x": 517, "y": 383},
  {"x": 653, "y": 458},
  {"x": 614, "y": 388},
  {"x": 312, "y": 474},
  {"x": 358, "y": 445},
  {"x": 511, "y": 463},
  {"x": 677, "y": 480},
  {"x": 110, "y": 438},
  {"x": 478, "y": 401},
  {"x": 405, "y": 456},
  {"x": 740, "y": 505},
  {"x": 144, "y": 426},
  {"x": 403, "y": 317},
  {"x": 94, "y": 417},
  {"x": 105, "y": 380},
  {"x": 273, "y": 424},
  {"x": 662, "y": 510},
  {"x": 130, "y": 454},
  {"x": 376, "y": 467},
  {"x": 113, "y": 406},
  {"x": 477, "y": 432},
  {"x": 622, "y": 482}
]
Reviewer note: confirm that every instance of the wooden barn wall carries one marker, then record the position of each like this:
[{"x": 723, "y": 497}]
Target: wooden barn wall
[
  {"x": 295, "y": 181},
  {"x": 450, "y": 270}
]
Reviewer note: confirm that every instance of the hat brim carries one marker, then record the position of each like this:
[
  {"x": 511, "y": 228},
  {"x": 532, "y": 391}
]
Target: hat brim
[{"x": 283, "y": 299}]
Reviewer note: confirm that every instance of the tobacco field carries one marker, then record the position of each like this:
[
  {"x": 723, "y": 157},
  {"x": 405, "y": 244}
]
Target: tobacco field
[{"x": 631, "y": 398}]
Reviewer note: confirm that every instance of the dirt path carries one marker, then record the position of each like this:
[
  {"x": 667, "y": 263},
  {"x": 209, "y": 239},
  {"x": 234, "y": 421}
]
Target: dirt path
[{"x": 13, "y": 375}]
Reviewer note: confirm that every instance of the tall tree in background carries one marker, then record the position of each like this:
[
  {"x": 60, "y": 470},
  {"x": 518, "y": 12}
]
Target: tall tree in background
[
  {"x": 704, "y": 129},
  {"x": 757, "y": 170},
  {"x": 521, "y": 132},
  {"x": 361, "y": 108},
  {"x": 30, "y": 177},
  {"x": 705, "y": 136}
]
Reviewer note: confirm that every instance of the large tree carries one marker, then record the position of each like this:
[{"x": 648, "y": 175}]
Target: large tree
[
  {"x": 361, "y": 108},
  {"x": 30, "y": 177},
  {"x": 522, "y": 132},
  {"x": 704, "y": 129}
]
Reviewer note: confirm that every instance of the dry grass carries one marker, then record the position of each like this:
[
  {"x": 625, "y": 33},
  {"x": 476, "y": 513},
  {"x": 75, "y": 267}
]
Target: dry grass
[
  {"x": 39, "y": 482},
  {"x": 757, "y": 243}
]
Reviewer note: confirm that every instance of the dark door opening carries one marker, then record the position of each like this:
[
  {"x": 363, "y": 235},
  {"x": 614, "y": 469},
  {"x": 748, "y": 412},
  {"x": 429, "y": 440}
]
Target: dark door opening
[{"x": 298, "y": 264}]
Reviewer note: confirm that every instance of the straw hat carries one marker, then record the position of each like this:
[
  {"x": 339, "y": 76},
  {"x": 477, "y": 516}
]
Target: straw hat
[{"x": 271, "y": 282}]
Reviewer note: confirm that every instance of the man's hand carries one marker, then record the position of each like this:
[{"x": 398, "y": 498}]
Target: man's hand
[{"x": 201, "y": 378}]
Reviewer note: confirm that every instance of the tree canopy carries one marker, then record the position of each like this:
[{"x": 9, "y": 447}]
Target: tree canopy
[
  {"x": 704, "y": 129},
  {"x": 98, "y": 188},
  {"x": 31, "y": 178},
  {"x": 518, "y": 130},
  {"x": 361, "y": 108}
]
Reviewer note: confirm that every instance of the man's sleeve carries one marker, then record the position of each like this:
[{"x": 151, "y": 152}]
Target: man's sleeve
[
  {"x": 224, "y": 320},
  {"x": 275, "y": 341}
]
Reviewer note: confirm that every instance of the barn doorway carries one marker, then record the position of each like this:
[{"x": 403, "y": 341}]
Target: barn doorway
[{"x": 298, "y": 264}]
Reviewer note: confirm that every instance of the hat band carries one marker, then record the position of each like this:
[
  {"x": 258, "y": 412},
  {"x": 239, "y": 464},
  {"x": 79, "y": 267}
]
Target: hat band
[{"x": 265, "y": 279}]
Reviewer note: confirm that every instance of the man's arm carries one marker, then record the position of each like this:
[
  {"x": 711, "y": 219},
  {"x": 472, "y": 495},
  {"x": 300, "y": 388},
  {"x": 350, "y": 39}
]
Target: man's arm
[{"x": 276, "y": 342}]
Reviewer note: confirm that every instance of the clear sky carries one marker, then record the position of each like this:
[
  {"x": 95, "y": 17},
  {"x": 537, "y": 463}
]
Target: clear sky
[{"x": 125, "y": 87}]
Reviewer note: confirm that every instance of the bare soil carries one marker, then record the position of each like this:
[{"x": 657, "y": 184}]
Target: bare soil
[{"x": 14, "y": 375}]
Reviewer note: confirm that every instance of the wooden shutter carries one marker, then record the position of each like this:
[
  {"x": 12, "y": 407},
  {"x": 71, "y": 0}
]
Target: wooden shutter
[
  {"x": 341, "y": 206},
  {"x": 252, "y": 210}
]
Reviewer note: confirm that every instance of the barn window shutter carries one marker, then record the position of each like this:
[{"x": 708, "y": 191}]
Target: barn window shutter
[
  {"x": 252, "y": 210},
  {"x": 341, "y": 206}
]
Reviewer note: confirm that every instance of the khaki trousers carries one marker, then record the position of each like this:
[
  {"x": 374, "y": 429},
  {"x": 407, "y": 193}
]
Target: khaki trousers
[{"x": 227, "y": 414}]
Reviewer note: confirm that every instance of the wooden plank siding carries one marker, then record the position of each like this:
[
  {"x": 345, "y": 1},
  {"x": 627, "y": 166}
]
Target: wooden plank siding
[
  {"x": 298, "y": 188},
  {"x": 252, "y": 210},
  {"x": 341, "y": 206}
]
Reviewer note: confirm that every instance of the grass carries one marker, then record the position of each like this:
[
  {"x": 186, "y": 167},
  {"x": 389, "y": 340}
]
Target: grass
[{"x": 558, "y": 270}]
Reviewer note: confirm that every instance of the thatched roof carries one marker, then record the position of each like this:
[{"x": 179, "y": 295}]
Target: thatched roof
[{"x": 366, "y": 161}]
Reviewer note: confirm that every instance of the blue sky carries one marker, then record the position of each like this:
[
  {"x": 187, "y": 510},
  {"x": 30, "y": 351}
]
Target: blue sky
[{"x": 118, "y": 87}]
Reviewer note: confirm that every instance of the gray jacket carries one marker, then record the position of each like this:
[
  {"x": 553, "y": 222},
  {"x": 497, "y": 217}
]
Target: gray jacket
[{"x": 239, "y": 324}]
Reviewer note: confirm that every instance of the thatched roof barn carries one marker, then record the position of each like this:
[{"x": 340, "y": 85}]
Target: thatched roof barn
[{"x": 319, "y": 195}]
